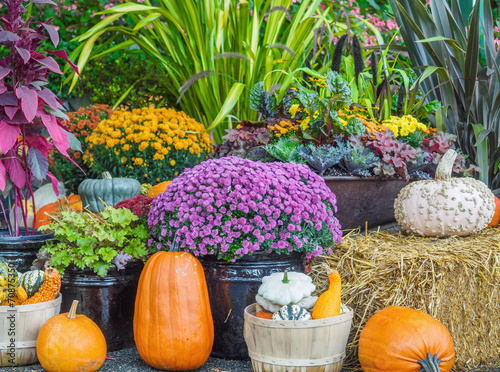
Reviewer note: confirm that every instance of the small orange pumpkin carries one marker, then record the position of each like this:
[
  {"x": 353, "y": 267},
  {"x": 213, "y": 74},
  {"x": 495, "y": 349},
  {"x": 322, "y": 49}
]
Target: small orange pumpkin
[
  {"x": 173, "y": 325},
  {"x": 264, "y": 314},
  {"x": 399, "y": 338},
  {"x": 74, "y": 202},
  {"x": 71, "y": 342},
  {"x": 496, "y": 217},
  {"x": 156, "y": 190}
]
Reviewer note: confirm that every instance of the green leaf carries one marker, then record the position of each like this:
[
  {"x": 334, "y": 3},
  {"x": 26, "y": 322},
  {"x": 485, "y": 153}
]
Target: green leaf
[{"x": 232, "y": 97}]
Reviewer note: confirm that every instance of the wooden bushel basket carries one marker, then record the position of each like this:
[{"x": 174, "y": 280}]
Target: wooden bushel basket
[
  {"x": 19, "y": 327},
  {"x": 297, "y": 346}
]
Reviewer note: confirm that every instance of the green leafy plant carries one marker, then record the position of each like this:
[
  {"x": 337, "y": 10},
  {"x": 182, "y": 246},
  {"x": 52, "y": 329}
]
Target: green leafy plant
[
  {"x": 468, "y": 75},
  {"x": 96, "y": 240}
]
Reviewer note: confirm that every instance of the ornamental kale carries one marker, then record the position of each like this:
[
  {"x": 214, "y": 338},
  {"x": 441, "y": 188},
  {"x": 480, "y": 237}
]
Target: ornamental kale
[
  {"x": 231, "y": 207},
  {"x": 320, "y": 158}
]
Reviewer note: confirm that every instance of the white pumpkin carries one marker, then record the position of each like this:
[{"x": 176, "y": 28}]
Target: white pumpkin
[
  {"x": 445, "y": 206},
  {"x": 286, "y": 288}
]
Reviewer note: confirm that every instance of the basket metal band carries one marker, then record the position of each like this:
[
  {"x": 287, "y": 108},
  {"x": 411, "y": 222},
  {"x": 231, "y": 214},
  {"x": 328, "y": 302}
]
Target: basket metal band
[
  {"x": 297, "y": 362},
  {"x": 17, "y": 345}
]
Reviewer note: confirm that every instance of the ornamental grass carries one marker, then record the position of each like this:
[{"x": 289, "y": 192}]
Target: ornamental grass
[
  {"x": 455, "y": 280},
  {"x": 149, "y": 144}
]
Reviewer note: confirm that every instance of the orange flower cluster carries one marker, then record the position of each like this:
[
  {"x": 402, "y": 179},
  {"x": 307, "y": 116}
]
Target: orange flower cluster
[{"x": 283, "y": 128}]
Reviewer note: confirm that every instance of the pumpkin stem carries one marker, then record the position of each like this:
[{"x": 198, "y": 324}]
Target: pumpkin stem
[
  {"x": 285, "y": 277},
  {"x": 430, "y": 364},
  {"x": 445, "y": 166},
  {"x": 106, "y": 176},
  {"x": 72, "y": 311}
]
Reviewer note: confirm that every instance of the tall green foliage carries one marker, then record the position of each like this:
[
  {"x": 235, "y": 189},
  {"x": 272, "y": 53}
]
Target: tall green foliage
[
  {"x": 468, "y": 73},
  {"x": 213, "y": 51}
]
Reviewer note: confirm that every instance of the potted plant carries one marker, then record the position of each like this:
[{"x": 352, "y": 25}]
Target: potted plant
[
  {"x": 29, "y": 123},
  {"x": 243, "y": 220},
  {"x": 317, "y": 120},
  {"x": 100, "y": 256}
]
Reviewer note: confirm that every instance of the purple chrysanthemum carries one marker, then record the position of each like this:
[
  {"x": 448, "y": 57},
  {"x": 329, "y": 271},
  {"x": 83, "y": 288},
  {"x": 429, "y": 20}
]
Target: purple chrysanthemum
[{"x": 232, "y": 207}]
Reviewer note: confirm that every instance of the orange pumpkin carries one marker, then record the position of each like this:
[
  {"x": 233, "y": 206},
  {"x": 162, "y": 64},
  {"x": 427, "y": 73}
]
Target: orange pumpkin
[
  {"x": 71, "y": 342},
  {"x": 399, "y": 338},
  {"x": 74, "y": 202},
  {"x": 496, "y": 217},
  {"x": 156, "y": 190},
  {"x": 264, "y": 314},
  {"x": 173, "y": 325}
]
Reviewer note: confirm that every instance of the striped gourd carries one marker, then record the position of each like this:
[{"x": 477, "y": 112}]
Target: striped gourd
[
  {"x": 31, "y": 281},
  {"x": 292, "y": 312}
]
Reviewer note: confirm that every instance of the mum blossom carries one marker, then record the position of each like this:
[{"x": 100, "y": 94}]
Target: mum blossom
[{"x": 233, "y": 207}]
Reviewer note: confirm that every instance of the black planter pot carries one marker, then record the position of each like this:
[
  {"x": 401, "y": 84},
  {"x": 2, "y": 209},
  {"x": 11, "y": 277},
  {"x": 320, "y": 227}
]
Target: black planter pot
[
  {"x": 108, "y": 301},
  {"x": 20, "y": 251},
  {"x": 231, "y": 288}
]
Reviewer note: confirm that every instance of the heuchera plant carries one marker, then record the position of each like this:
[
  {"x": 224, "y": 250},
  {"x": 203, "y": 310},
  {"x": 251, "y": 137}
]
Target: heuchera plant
[
  {"x": 29, "y": 112},
  {"x": 231, "y": 207}
]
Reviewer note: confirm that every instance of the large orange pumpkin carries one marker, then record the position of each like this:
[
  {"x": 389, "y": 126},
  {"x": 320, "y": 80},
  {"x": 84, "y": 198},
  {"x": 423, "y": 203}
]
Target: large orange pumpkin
[
  {"x": 401, "y": 339},
  {"x": 71, "y": 342},
  {"x": 74, "y": 202},
  {"x": 496, "y": 217},
  {"x": 173, "y": 326}
]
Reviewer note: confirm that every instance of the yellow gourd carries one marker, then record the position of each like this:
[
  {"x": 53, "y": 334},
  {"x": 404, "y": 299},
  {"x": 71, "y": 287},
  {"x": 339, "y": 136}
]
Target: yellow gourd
[
  {"x": 19, "y": 299},
  {"x": 328, "y": 304},
  {"x": 49, "y": 289}
]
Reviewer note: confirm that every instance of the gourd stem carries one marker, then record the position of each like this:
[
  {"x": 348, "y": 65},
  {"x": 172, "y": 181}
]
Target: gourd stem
[
  {"x": 327, "y": 267},
  {"x": 285, "y": 277},
  {"x": 445, "y": 166},
  {"x": 430, "y": 364},
  {"x": 106, "y": 176},
  {"x": 72, "y": 311}
]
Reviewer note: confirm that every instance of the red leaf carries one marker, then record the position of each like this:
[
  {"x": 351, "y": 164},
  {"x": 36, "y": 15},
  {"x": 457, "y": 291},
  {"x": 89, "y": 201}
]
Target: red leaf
[
  {"x": 54, "y": 35},
  {"x": 54, "y": 181},
  {"x": 50, "y": 63},
  {"x": 15, "y": 169},
  {"x": 59, "y": 137},
  {"x": 25, "y": 54},
  {"x": 2, "y": 176},
  {"x": 7, "y": 99},
  {"x": 8, "y": 36},
  {"x": 9, "y": 136},
  {"x": 62, "y": 54},
  {"x": 11, "y": 111},
  {"x": 39, "y": 142},
  {"x": 4, "y": 72},
  {"x": 29, "y": 102},
  {"x": 48, "y": 97}
]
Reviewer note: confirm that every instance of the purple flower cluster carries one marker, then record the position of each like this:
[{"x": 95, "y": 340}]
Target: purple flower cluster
[{"x": 232, "y": 207}]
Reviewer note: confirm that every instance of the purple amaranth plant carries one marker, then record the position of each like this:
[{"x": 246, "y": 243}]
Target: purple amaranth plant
[
  {"x": 29, "y": 112},
  {"x": 231, "y": 207}
]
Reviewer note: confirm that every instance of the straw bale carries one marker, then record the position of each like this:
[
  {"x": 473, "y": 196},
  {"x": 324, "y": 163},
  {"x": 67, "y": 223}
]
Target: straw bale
[{"x": 455, "y": 280}]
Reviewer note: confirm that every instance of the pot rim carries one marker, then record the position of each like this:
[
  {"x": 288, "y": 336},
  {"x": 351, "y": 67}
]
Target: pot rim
[{"x": 38, "y": 236}]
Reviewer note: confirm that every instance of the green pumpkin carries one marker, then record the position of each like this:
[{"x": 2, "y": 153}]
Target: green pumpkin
[
  {"x": 31, "y": 281},
  {"x": 110, "y": 190},
  {"x": 8, "y": 279},
  {"x": 292, "y": 312}
]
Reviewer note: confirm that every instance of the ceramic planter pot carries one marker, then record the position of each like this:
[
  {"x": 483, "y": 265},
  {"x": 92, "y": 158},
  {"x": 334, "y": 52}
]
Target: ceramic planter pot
[
  {"x": 364, "y": 199},
  {"x": 108, "y": 301},
  {"x": 20, "y": 251},
  {"x": 232, "y": 286}
]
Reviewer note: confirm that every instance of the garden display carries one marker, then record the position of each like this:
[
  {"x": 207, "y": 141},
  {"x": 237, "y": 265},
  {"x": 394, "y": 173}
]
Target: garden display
[
  {"x": 71, "y": 342},
  {"x": 305, "y": 184},
  {"x": 173, "y": 327}
]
